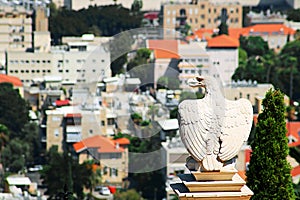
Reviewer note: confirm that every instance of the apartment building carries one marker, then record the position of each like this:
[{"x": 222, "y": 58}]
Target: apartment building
[
  {"x": 194, "y": 61},
  {"x": 199, "y": 14},
  {"x": 81, "y": 60},
  {"x": 67, "y": 125},
  {"x": 15, "y": 29},
  {"x": 112, "y": 155}
]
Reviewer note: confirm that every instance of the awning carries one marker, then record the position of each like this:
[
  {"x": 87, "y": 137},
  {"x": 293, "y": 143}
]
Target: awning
[{"x": 18, "y": 180}]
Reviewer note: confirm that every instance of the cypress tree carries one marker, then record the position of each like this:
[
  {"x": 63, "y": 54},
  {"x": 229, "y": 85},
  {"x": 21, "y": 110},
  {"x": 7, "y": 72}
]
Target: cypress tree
[{"x": 269, "y": 172}]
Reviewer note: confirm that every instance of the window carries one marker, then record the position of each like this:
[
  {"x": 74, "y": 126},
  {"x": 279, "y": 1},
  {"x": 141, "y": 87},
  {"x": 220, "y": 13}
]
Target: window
[
  {"x": 168, "y": 20},
  {"x": 110, "y": 121},
  {"x": 91, "y": 131},
  {"x": 60, "y": 71},
  {"x": 102, "y": 123},
  {"x": 55, "y": 119},
  {"x": 105, "y": 171},
  {"x": 196, "y": 20},
  {"x": 202, "y": 16},
  {"x": 56, "y": 132},
  {"x": 202, "y": 6},
  {"x": 113, "y": 172}
]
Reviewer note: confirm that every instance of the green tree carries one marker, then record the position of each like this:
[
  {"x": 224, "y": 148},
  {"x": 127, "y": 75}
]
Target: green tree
[
  {"x": 269, "y": 172},
  {"x": 4, "y": 136},
  {"x": 15, "y": 154},
  {"x": 13, "y": 109},
  {"x": 168, "y": 83},
  {"x": 136, "y": 6},
  {"x": 223, "y": 28},
  {"x": 254, "y": 45},
  {"x": 127, "y": 195},
  {"x": 293, "y": 15},
  {"x": 63, "y": 170},
  {"x": 142, "y": 57}
]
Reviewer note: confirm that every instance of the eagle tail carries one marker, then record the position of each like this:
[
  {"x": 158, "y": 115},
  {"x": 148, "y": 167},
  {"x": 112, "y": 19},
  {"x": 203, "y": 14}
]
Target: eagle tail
[{"x": 210, "y": 163}]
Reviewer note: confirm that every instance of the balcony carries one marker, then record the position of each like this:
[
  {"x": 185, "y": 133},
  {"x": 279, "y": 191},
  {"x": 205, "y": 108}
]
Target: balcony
[{"x": 73, "y": 134}]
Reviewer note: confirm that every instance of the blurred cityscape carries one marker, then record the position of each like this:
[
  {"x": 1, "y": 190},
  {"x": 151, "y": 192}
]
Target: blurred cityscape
[{"x": 89, "y": 89}]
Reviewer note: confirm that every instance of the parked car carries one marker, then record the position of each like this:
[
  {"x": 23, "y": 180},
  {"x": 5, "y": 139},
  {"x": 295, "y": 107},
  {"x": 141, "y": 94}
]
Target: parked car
[{"x": 104, "y": 191}]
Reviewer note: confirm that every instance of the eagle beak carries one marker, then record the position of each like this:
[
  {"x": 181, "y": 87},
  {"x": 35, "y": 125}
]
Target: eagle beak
[{"x": 196, "y": 82}]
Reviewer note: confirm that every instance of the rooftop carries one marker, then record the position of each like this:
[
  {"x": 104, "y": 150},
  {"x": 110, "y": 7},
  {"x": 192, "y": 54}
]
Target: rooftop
[
  {"x": 103, "y": 144},
  {"x": 10, "y": 79},
  {"x": 223, "y": 41},
  {"x": 164, "y": 48}
]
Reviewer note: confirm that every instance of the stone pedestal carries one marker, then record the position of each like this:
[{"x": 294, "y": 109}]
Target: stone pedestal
[{"x": 211, "y": 185}]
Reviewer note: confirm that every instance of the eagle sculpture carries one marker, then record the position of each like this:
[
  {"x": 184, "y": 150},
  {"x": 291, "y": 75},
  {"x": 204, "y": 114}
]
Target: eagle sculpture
[{"x": 213, "y": 129}]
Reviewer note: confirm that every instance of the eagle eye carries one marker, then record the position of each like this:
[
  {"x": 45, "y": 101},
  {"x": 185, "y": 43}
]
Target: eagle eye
[{"x": 199, "y": 79}]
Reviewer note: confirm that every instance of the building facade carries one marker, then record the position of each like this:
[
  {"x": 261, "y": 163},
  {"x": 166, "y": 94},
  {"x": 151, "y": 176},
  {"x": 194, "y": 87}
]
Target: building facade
[
  {"x": 15, "y": 29},
  {"x": 81, "y": 60},
  {"x": 197, "y": 15}
]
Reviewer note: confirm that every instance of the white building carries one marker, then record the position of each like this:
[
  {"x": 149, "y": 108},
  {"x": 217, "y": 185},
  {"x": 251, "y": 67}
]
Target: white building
[
  {"x": 82, "y": 60},
  {"x": 223, "y": 54},
  {"x": 15, "y": 29},
  {"x": 194, "y": 61}
]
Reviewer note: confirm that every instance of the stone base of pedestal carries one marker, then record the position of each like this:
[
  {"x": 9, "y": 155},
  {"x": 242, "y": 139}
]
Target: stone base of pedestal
[{"x": 211, "y": 185}]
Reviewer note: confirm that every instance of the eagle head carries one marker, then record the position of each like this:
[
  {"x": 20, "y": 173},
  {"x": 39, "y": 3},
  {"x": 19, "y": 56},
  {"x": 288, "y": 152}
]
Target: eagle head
[{"x": 198, "y": 81}]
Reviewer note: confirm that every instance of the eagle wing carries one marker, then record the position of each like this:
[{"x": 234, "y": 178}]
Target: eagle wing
[
  {"x": 195, "y": 122},
  {"x": 235, "y": 127}
]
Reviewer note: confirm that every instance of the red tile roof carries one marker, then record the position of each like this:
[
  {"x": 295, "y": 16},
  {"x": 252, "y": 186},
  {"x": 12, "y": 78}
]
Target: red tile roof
[
  {"x": 103, "y": 144},
  {"x": 72, "y": 115},
  {"x": 10, "y": 79},
  {"x": 202, "y": 34},
  {"x": 122, "y": 141},
  {"x": 62, "y": 102},
  {"x": 296, "y": 171},
  {"x": 293, "y": 129},
  {"x": 270, "y": 29},
  {"x": 258, "y": 29},
  {"x": 164, "y": 48},
  {"x": 223, "y": 41}
]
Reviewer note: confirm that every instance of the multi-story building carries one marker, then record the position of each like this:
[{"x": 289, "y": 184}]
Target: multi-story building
[
  {"x": 147, "y": 5},
  {"x": 111, "y": 154},
  {"x": 69, "y": 124},
  {"x": 223, "y": 54},
  {"x": 81, "y": 60},
  {"x": 199, "y": 14},
  {"x": 15, "y": 29},
  {"x": 194, "y": 61}
]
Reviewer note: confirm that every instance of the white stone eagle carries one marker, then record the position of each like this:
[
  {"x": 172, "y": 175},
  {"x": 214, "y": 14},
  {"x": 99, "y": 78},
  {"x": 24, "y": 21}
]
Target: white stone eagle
[{"x": 213, "y": 129}]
